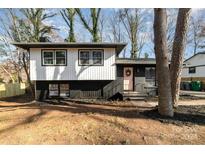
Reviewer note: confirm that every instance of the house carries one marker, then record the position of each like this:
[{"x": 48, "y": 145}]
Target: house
[
  {"x": 194, "y": 68},
  {"x": 88, "y": 70}
]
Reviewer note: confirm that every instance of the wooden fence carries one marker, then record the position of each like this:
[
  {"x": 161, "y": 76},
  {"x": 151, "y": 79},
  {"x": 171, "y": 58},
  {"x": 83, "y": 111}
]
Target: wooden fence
[{"x": 12, "y": 89}]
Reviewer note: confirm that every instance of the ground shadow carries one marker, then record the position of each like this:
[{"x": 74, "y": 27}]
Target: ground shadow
[
  {"x": 19, "y": 99},
  {"x": 34, "y": 117},
  {"x": 184, "y": 115}
]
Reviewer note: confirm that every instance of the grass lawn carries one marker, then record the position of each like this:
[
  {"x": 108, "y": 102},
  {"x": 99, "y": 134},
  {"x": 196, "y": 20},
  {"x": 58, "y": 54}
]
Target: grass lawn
[{"x": 66, "y": 122}]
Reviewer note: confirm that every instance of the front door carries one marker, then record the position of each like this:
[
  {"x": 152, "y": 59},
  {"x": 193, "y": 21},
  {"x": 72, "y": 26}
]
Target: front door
[{"x": 128, "y": 78}]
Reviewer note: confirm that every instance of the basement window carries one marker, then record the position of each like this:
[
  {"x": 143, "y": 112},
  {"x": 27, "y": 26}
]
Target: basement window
[
  {"x": 53, "y": 89},
  {"x": 192, "y": 70}
]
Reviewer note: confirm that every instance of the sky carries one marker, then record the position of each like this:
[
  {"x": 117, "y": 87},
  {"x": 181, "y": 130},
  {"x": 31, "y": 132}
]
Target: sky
[{"x": 83, "y": 35}]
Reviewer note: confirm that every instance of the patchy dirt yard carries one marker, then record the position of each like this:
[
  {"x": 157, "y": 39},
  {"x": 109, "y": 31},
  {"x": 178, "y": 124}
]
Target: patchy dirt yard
[{"x": 68, "y": 122}]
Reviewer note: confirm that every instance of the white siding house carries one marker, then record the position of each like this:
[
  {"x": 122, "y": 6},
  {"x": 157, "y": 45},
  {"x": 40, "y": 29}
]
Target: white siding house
[
  {"x": 194, "y": 67},
  {"x": 88, "y": 70},
  {"x": 72, "y": 71}
]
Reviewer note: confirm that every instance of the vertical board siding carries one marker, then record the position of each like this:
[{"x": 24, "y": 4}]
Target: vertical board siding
[
  {"x": 72, "y": 71},
  {"x": 12, "y": 89}
]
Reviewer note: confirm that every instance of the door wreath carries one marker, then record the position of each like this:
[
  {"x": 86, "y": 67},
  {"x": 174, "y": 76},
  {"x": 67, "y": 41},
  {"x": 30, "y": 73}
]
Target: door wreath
[{"x": 128, "y": 72}]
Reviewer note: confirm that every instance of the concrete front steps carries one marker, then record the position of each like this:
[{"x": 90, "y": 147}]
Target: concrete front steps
[{"x": 133, "y": 95}]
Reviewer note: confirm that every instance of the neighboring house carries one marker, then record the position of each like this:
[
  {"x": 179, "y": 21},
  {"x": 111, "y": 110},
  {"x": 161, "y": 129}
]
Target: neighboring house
[
  {"x": 194, "y": 68},
  {"x": 88, "y": 70}
]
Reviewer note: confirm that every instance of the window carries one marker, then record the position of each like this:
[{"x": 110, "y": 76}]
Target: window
[
  {"x": 84, "y": 57},
  {"x": 60, "y": 57},
  {"x": 54, "y": 57},
  {"x": 97, "y": 57},
  {"x": 64, "y": 90},
  {"x": 192, "y": 70},
  {"x": 48, "y": 57},
  {"x": 150, "y": 72},
  {"x": 61, "y": 90},
  {"x": 91, "y": 57},
  {"x": 53, "y": 89}
]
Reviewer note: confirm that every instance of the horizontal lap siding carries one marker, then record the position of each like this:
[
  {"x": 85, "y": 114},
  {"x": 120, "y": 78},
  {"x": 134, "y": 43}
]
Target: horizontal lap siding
[
  {"x": 73, "y": 71},
  {"x": 197, "y": 61},
  {"x": 200, "y": 72}
]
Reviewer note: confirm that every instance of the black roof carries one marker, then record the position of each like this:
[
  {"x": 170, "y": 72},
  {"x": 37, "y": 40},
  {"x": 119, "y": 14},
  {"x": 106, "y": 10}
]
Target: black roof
[{"x": 118, "y": 46}]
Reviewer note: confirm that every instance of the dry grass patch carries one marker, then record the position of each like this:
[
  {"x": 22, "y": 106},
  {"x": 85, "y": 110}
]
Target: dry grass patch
[{"x": 66, "y": 122}]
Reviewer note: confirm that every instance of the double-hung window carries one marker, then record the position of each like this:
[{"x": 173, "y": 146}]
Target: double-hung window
[
  {"x": 54, "y": 57},
  {"x": 97, "y": 57},
  {"x": 84, "y": 57},
  {"x": 48, "y": 57},
  {"x": 91, "y": 57},
  {"x": 60, "y": 56}
]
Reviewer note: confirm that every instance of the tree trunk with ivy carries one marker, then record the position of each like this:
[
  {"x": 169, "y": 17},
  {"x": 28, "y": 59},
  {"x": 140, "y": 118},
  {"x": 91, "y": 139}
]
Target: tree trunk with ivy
[
  {"x": 94, "y": 28},
  {"x": 69, "y": 18}
]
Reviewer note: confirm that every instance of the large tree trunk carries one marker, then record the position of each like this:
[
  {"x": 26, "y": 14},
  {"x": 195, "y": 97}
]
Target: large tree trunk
[
  {"x": 161, "y": 52},
  {"x": 178, "y": 53}
]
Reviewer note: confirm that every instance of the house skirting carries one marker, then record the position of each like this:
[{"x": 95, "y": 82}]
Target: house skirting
[{"x": 71, "y": 89}]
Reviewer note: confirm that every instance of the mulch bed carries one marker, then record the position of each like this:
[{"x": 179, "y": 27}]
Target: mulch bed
[{"x": 183, "y": 115}]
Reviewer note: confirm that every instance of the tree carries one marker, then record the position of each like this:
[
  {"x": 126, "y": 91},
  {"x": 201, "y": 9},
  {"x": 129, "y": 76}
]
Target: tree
[
  {"x": 115, "y": 28},
  {"x": 94, "y": 27},
  {"x": 28, "y": 29},
  {"x": 171, "y": 25},
  {"x": 132, "y": 20},
  {"x": 12, "y": 28},
  {"x": 34, "y": 20},
  {"x": 162, "y": 65},
  {"x": 196, "y": 36},
  {"x": 179, "y": 45},
  {"x": 69, "y": 16}
]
